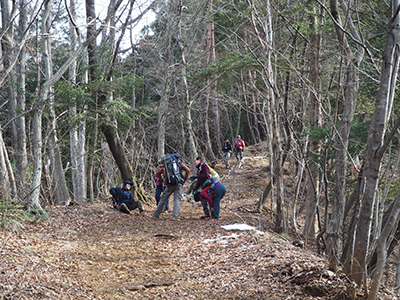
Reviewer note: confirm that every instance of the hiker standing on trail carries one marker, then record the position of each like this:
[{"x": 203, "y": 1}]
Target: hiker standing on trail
[
  {"x": 124, "y": 200},
  {"x": 174, "y": 181},
  {"x": 203, "y": 174},
  {"x": 160, "y": 184},
  {"x": 239, "y": 148},
  {"x": 227, "y": 150},
  {"x": 213, "y": 195}
]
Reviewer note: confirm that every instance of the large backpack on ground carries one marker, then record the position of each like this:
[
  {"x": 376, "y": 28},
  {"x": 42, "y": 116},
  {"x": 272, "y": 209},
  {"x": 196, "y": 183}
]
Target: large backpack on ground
[{"x": 172, "y": 170}]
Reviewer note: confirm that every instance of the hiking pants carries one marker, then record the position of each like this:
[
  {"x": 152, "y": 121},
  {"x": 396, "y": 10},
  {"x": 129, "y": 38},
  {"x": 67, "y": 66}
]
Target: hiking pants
[
  {"x": 219, "y": 193},
  {"x": 239, "y": 154},
  {"x": 225, "y": 157},
  {"x": 159, "y": 190},
  {"x": 134, "y": 204},
  {"x": 206, "y": 210},
  {"x": 177, "y": 191}
]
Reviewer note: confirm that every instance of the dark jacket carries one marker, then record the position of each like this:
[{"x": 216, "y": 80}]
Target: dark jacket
[
  {"x": 226, "y": 147},
  {"x": 122, "y": 195}
]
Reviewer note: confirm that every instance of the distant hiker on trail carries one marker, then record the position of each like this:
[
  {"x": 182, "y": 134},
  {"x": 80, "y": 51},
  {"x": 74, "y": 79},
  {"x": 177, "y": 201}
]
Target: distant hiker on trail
[
  {"x": 226, "y": 150},
  {"x": 213, "y": 195},
  {"x": 124, "y": 200},
  {"x": 239, "y": 148},
  {"x": 174, "y": 181},
  {"x": 160, "y": 184}
]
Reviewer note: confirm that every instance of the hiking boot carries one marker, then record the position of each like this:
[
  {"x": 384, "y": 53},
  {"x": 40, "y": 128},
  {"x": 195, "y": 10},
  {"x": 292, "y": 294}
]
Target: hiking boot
[
  {"x": 123, "y": 208},
  {"x": 204, "y": 217},
  {"x": 174, "y": 219}
]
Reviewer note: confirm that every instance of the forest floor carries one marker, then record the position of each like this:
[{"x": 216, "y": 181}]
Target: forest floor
[{"x": 95, "y": 252}]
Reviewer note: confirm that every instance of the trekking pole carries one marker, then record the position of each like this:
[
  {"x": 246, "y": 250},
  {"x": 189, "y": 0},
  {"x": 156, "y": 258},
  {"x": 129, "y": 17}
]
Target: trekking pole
[{"x": 191, "y": 210}]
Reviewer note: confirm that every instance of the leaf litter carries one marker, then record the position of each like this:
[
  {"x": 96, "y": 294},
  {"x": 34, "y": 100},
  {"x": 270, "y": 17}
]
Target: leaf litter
[{"x": 92, "y": 251}]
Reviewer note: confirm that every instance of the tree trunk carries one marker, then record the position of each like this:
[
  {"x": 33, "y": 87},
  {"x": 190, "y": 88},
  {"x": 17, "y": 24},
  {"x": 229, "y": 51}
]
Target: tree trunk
[
  {"x": 7, "y": 181},
  {"x": 59, "y": 183},
  {"x": 162, "y": 115},
  {"x": 381, "y": 247},
  {"x": 374, "y": 152},
  {"x": 310, "y": 226},
  {"x": 77, "y": 132},
  {"x": 210, "y": 58},
  {"x": 187, "y": 102},
  {"x": 273, "y": 112},
  {"x": 118, "y": 152},
  {"x": 350, "y": 93},
  {"x": 21, "y": 153}
]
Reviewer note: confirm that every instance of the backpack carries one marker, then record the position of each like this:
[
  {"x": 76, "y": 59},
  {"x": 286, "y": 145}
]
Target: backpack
[
  {"x": 212, "y": 172},
  {"x": 172, "y": 170},
  {"x": 116, "y": 198},
  {"x": 211, "y": 181}
]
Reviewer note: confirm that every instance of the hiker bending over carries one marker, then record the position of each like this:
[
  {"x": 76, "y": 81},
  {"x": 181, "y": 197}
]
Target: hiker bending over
[
  {"x": 226, "y": 152},
  {"x": 203, "y": 174},
  {"x": 159, "y": 178},
  {"x": 239, "y": 148},
  {"x": 213, "y": 195},
  {"x": 124, "y": 200},
  {"x": 174, "y": 181}
]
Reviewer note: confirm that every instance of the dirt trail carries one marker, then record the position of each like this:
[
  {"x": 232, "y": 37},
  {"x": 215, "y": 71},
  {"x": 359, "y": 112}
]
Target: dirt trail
[{"x": 96, "y": 252}]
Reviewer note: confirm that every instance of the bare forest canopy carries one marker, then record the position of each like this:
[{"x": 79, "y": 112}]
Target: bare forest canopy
[{"x": 84, "y": 106}]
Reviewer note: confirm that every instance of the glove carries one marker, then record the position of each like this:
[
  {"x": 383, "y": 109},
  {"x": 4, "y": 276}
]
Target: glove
[{"x": 192, "y": 177}]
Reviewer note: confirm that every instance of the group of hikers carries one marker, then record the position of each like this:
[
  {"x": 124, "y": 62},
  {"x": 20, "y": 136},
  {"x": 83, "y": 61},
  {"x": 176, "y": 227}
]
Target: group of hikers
[{"x": 169, "y": 178}]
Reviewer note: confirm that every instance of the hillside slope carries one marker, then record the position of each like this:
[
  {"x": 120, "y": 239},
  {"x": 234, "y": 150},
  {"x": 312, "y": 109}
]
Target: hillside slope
[{"x": 96, "y": 252}]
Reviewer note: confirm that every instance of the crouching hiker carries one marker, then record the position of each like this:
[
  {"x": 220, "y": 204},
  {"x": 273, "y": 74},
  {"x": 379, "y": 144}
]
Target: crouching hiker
[
  {"x": 213, "y": 194},
  {"x": 124, "y": 200}
]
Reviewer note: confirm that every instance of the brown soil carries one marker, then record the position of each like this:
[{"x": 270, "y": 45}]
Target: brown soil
[{"x": 95, "y": 252}]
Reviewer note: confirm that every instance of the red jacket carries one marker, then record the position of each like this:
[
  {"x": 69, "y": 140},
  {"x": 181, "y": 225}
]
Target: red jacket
[
  {"x": 204, "y": 194},
  {"x": 239, "y": 144}
]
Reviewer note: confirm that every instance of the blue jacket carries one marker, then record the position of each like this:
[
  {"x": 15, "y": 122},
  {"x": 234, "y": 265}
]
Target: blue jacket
[{"x": 122, "y": 195}]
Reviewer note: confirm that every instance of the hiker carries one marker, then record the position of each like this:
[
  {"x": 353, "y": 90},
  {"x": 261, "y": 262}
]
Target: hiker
[
  {"x": 213, "y": 195},
  {"x": 203, "y": 174},
  {"x": 239, "y": 148},
  {"x": 226, "y": 150},
  {"x": 124, "y": 200},
  {"x": 174, "y": 181},
  {"x": 160, "y": 185}
]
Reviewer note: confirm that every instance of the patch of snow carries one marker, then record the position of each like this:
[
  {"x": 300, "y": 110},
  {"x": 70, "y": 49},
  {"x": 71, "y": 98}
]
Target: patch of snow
[{"x": 241, "y": 227}]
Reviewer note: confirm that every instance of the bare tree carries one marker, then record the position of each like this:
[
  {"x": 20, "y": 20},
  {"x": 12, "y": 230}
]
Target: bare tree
[
  {"x": 352, "y": 61},
  {"x": 78, "y": 129},
  {"x": 375, "y": 145},
  {"x": 315, "y": 115},
  {"x": 265, "y": 38}
]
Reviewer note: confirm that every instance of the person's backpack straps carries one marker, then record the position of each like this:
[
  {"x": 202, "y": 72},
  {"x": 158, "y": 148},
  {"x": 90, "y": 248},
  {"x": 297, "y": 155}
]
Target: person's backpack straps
[
  {"x": 172, "y": 170},
  {"x": 210, "y": 182}
]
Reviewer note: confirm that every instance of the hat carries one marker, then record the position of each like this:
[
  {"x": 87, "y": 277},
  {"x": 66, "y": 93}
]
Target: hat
[
  {"x": 238, "y": 136},
  {"x": 128, "y": 182}
]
